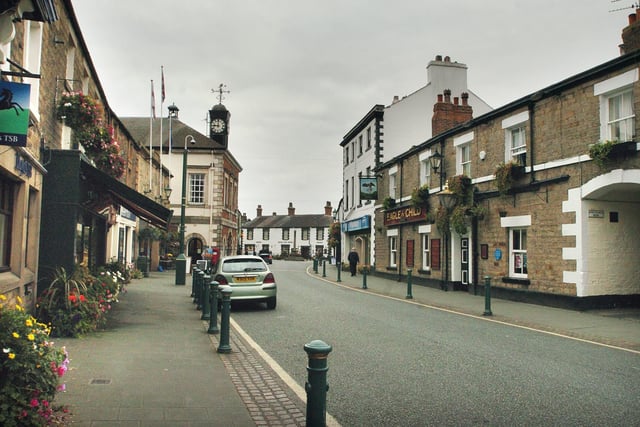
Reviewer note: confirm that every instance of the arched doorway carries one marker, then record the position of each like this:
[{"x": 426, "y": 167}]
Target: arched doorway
[{"x": 195, "y": 248}]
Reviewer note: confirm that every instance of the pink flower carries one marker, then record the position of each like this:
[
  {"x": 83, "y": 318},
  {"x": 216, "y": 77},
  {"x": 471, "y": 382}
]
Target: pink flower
[{"x": 34, "y": 403}]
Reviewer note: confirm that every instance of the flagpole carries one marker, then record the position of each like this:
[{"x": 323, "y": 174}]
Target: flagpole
[
  {"x": 151, "y": 117},
  {"x": 160, "y": 186}
]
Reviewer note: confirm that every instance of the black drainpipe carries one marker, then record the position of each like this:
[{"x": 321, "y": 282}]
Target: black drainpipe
[
  {"x": 531, "y": 107},
  {"x": 400, "y": 229}
]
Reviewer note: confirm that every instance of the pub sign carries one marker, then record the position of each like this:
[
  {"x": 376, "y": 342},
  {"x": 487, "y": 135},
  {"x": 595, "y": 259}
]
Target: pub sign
[{"x": 14, "y": 113}]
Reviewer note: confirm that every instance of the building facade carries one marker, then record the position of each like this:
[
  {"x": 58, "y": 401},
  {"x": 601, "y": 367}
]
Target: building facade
[
  {"x": 539, "y": 197},
  {"x": 306, "y": 235},
  {"x": 62, "y": 204},
  {"x": 386, "y": 131}
]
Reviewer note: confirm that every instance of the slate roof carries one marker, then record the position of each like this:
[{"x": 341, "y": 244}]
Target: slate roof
[
  {"x": 289, "y": 221},
  {"x": 139, "y": 129}
]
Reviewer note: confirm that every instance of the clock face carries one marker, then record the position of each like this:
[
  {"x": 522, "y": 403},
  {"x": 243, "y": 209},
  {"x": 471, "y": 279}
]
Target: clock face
[{"x": 217, "y": 125}]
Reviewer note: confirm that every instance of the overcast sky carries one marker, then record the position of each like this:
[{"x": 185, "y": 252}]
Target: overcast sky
[{"x": 303, "y": 73}]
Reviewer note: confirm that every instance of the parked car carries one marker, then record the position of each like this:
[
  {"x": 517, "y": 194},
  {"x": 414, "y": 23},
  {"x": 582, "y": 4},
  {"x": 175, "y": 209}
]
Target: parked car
[
  {"x": 266, "y": 256},
  {"x": 249, "y": 278}
]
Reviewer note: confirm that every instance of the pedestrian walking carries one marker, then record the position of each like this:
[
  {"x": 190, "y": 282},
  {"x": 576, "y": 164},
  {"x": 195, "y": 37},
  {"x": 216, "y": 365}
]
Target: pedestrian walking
[{"x": 354, "y": 259}]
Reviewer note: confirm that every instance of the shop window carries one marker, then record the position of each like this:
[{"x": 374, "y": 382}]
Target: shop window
[{"x": 7, "y": 192}]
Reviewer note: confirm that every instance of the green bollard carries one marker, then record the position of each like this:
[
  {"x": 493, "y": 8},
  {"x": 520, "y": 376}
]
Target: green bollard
[
  {"x": 324, "y": 268},
  {"x": 224, "y": 346},
  {"x": 315, "y": 265},
  {"x": 213, "y": 315},
  {"x": 364, "y": 278},
  {"x": 409, "y": 294},
  {"x": 316, "y": 385},
  {"x": 193, "y": 283},
  {"x": 487, "y": 296},
  {"x": 199, "y": 286},
  {"x": 339, "y": 266},
  {"x": 206, "y": 309}
]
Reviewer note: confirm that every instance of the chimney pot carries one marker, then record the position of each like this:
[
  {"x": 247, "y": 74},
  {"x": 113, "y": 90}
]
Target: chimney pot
[
  {"x": 259, "y": 211},
  {"x": 447, "y": 59},
  {"x": 455, "y": 100},
  {"x": 632, "y": 18},
  {"x": 438, "y": 57},
  {"x": 439, "y": 97}
]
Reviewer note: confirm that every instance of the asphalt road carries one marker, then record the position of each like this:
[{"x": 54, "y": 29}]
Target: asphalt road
[{"x": 399, "y": 364}]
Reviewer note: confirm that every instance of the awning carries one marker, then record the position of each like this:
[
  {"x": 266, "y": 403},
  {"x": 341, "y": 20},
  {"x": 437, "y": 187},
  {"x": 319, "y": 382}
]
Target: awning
[{"x": 142, "y": 206}]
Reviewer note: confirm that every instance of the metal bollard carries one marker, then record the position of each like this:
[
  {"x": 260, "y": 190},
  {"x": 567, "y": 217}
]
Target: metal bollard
[
  {"x": 339, "y": 266},
  {"x": 224, "y": 346},
  {"x": 316, "y": 385},
  {"x": 487, "y": 296},
  {"x": 324, "y": 268},
  {"x": 213, "y": 315},
  {"x": 193, "y": 283},
  {"x": 364, "y": 278},
  {"x": 315, "y": 265},
  {"x": 409, "y": 294},
  {"x": 199, "y": 286},
  {"x": 206, "y": 308}
]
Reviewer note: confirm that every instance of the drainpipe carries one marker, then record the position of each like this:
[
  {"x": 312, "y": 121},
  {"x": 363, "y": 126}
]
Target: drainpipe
[
  {"x": 531, "y": 107},
  {"x": 400, "y": 227},
  {"x": 474, "y": 252}
]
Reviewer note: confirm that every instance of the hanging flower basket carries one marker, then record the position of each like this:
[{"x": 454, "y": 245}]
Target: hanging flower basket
[
  {"x": 506, "y": 174},
  {"x": 78, "y": 111},
  {"x": 420, "y": 197}
]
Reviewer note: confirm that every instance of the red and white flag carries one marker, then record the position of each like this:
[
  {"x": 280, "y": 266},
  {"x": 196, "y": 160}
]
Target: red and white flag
[
  {"x": 153, "y": 102},
  {"x": 163, "y": 93}
]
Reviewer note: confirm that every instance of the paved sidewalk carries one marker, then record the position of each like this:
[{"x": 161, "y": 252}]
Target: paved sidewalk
[
  {"x": 155, "y": 365},
  {"x": 615, "y": 327}
]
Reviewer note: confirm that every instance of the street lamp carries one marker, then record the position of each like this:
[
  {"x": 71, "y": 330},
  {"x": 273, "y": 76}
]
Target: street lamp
[
  {"x": 181, "y": 259},
  {"x": 436, "y": 164}
]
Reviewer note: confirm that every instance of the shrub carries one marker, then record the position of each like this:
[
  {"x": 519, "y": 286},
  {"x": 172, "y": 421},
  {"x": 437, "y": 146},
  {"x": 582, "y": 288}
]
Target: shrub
[
  {"x": 77, "y": 304},
  {"x": 30, "y": 370}
]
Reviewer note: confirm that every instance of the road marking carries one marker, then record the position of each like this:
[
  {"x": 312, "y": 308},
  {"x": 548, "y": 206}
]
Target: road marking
[
  {"x": 284, "y": 376},
  {"x": 473, "y": 316}
]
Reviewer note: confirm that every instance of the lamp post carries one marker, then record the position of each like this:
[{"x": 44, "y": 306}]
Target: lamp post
[
  {"x": 181, "y": 259},
  {"x": 436, "y": 164}
]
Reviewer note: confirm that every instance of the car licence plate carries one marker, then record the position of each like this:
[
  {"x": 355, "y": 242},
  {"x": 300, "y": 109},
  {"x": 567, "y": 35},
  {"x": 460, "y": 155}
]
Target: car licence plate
[{"x": 244, "y": 279}]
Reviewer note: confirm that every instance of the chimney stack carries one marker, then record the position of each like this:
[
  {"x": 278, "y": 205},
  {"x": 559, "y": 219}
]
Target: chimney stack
[
  {"x": 327, "y": 209},
  {"x": 447, "y": 115},
  {"x": 259, "y": 211},
  {"x": 292, "y": 210},
  {"x": 631, "y": 34}
]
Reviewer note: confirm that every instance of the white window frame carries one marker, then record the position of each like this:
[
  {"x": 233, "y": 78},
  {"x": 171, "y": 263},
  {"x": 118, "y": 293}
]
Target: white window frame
[
  {"x": 463, "y": 153},
  {"x": 369, "y": 137},
  {"x": 285, "y": 233},
  {"x": 32, "y": 62},
  {"x": 393, "y": 182},
  {"x": 197, "y": 179},
  {"x": 520, "y": 222},
  {"x": 360, "y": 147},
  {"x": 518, "y": 256},
  {"x": 249, "y": 233},
  {"x": 425, "y": 168},
  {"x": 346, "y": 154},
  {"x": 265, "y": 233},
  {"x": 393, "y": 251},
  {"x": 609, "y": 89}
]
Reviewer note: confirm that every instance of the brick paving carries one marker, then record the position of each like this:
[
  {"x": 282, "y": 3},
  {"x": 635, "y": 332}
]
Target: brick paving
[{"x": 259, "y": 388}]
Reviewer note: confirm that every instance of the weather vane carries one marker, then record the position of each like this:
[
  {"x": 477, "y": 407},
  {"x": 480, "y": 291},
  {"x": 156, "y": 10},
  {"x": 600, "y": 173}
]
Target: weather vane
[{"x": 220, "y": 91}]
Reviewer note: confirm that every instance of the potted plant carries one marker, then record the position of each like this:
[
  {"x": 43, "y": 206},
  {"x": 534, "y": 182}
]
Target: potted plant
[
  {"x": 420, "y": 196},
  {"x": 604, "y": 151},
  {"x": 389, "y": 203},
  {"x": 506, "y": 174}
]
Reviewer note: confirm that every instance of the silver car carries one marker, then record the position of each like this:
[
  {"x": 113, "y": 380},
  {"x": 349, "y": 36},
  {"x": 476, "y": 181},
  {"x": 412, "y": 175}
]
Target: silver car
[{"x": 249, "y": 278}]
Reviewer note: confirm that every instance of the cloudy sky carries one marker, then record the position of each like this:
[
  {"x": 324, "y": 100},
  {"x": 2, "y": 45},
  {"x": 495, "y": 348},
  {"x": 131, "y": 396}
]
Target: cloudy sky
[{"x": 302, "y": 73}]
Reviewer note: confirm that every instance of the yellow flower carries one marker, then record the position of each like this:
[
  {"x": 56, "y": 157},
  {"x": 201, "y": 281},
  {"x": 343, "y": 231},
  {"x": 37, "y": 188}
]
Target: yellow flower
[
  {"x": 19, "y": 308},
  {"x": 31, "y": 337},
  {"x": 19, "y": 299},
  {"x": 28, "y": 322},
  {"x": 3, "y": 297},
  {"x": 16, "y": 335},
  {"x": 12, "y": 356}
]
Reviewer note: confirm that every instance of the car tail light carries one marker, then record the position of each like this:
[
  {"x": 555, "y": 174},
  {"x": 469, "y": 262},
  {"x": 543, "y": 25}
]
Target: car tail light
[
  {"x": 269, "y": 278},
  {"x": 221, "y": 280}
]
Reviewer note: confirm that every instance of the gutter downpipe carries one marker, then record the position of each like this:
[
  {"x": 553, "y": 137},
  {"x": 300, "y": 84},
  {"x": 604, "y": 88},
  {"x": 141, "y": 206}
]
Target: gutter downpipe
[{"x": 400, "y": 226}]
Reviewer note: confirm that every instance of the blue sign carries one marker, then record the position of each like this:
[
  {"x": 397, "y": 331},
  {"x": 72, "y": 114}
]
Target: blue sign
[
  {"x": 14, "y": 113},
  {"x": 498, "y": 254},
  {"x": 362, "y": 223}
]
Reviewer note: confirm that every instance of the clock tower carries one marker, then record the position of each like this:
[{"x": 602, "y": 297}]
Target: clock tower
[{"x": 219, "y": 120}]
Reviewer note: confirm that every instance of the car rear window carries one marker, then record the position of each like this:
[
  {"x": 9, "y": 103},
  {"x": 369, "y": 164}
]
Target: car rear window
[{"x": 243, "y": 265}]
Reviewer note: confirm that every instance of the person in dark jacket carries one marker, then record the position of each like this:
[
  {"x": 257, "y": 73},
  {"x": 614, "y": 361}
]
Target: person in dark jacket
[{"x": 354, "y": 259}]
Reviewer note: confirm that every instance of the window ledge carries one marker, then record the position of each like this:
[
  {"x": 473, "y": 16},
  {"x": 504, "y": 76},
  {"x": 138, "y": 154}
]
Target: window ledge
[
  {"x": 516, "y": 281},
  {"x": 426, "y": 272},
  {"x": 392, "y": 268}
]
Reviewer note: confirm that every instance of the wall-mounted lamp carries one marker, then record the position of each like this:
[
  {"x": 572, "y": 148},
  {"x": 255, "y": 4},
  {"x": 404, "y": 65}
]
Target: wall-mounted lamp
[
  {"x": 436, "y": 161},
  {"x": 482, "y": 155},
  {"x": 167, "y": 192}
]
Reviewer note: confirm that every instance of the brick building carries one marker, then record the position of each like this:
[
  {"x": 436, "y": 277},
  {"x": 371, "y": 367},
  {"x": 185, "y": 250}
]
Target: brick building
[{"x": 540, "y": 195}]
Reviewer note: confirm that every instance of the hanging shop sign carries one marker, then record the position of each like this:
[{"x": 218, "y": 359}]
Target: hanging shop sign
[
  {"x": 404, "y": 215},
  {"x": 14, "y": 113},
  {"x": 368, "y": 188}
]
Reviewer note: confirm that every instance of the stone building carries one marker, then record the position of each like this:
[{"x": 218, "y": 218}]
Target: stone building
[
  {"x": 386, "y": 131},
  {"x": 540, "y": 196},
  {"x": 61, "y": 205},
  {"x": 306, "y": 235}
]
